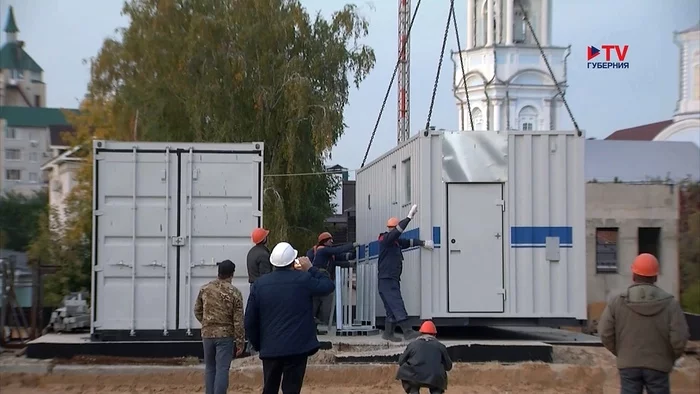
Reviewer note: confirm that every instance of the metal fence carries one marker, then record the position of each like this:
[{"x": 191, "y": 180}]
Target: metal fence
[{"x": 356, "y": 297}]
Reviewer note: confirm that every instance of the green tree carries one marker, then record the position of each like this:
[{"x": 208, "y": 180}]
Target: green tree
[
  {"x": 19, "y": 214},
  {"x": 66, "y": 243},
  {"x": 689, "y": 246},
  {"x": 250, "y": 70}
]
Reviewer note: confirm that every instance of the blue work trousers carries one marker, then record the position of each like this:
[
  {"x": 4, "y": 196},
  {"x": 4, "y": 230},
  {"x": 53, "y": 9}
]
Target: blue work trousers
[
  {"x": 390, "y": 292},
  {"x": 218, "y": 353}
]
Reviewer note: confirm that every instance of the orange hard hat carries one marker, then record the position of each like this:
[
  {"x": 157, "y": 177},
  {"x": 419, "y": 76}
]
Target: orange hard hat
[
  {"x": 645, "y": 265},
  {"x": 428, "y": 327},
  {"x": 324, "y": 236},
  {"x": 258, "y": 235},
  {"x": 392, "y": 222}
]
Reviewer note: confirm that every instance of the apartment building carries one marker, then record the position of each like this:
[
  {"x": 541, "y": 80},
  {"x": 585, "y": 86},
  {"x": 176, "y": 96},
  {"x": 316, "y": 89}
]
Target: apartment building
[{"x": 25, "y": 122}]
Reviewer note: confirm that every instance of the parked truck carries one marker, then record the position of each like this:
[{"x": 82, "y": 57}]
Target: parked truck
[{"x": 164, "y": 215}]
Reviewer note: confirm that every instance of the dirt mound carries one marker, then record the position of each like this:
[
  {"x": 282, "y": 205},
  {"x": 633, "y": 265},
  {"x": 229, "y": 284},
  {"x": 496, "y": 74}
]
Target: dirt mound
[{"x": 341, "y": 379}]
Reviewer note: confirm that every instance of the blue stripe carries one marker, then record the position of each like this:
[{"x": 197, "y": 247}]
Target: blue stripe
[
  {"x": 537, "y": 235},
  {"x": 520, "y": 237}
]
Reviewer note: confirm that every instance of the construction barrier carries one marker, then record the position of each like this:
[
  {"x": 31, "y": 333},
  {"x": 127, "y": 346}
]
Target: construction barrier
[{"x": 356, "y": 297}]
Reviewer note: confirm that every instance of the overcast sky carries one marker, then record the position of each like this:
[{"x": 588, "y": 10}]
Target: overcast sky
[{"x": 59, "y": 34}]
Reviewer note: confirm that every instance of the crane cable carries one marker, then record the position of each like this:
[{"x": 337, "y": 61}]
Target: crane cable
[
  {"x": 442, "y": 55},
  {"x": 461, "y": 63},
  {"x": 549, "y": 68},
  {"x": 391, "y": 83}
]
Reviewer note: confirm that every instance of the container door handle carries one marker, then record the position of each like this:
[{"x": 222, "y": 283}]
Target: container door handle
[{"x": 452, "y": 243}]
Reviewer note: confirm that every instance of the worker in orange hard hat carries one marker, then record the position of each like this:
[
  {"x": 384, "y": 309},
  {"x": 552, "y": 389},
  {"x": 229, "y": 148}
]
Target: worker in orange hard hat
[
  {"x": 646, "y": 329},
  {"x": 390, "y": 267},
  {"x": 424, "y": 363},
  {"x": 259, "y": 255},
  {"x": 325, "y": 256}
]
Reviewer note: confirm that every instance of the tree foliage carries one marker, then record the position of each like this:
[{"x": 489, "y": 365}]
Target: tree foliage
[
  {"x": 249, "y": 70},
  {"x": 19, "y": 214},
  {"x": 65, "y": 243},
  {"x": 689, "y": 246}
]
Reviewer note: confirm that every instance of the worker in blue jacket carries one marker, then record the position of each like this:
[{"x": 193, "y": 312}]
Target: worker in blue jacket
[
  {"x": 279, "y": 319},
  {"x": 390, "y": 266},
  {"x": 325, "y": 258}
]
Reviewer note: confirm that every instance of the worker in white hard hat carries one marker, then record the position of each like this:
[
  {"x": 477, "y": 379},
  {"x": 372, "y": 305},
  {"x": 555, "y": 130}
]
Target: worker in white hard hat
[{"x": 279, "y": 318}]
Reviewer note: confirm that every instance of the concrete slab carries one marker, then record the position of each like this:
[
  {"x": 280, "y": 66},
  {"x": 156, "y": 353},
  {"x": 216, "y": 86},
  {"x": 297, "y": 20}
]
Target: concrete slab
[{"x": 462, "y": 351}]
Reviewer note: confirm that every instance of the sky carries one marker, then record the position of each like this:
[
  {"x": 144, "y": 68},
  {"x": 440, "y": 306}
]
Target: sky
[{"x": 59, "y": 35}]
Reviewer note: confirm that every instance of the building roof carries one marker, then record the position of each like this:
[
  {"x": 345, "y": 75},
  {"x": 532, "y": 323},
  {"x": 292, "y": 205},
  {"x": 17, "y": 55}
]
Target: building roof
[
  {"x": 66, "y": 156},
  {"x": 690, "y": 29},
  {"x": 57, "y": 132},
  {"x": 19, "y": 257},
  {"x": 11, "y": 25},
  {"x": 34, "y": 116},
  {"x": 645, "y": 132},
  {"x": 14, "y": 57},
  {"x": 641, "y": 161}
]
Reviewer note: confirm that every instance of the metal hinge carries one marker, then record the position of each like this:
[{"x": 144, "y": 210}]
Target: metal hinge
[
  {"x": 178, "y": 241},
  {"x": 503, "y": 291},
  {"x": 97, "y": 268},
  {"x": 96, "y": 324},
  {"x": 502, "y": 204},
  {"x": 99, "y": 212}
]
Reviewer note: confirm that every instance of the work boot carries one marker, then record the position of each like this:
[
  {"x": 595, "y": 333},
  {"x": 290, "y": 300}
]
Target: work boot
[
  {"x": 408, "y": 332},
  {"x": 388, "y": 333}
]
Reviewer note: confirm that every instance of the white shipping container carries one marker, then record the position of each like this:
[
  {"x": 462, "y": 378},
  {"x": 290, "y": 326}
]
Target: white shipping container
[
  {"x": 507, "y": 214},
  {"x": 164, "y": 215}
]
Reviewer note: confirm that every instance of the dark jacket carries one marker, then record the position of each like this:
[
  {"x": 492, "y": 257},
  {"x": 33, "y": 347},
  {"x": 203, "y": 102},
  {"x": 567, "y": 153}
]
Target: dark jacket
[
  {"x": 390, "y": 263},
  {"x": 645, "y": 328},
  {"x": 327, "y": 258},
  {"x": 426, "y": 362},
  {"x": 258, "y": 262},
  {"x": 279, "y": 318}
]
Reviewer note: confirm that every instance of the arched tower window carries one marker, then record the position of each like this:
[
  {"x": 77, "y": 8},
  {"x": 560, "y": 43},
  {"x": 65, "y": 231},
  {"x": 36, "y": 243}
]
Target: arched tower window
[
  {"x": 478, "y": 118},
  {"x": 520, "y": 30},
  {"x": 481, "y": 18},
  {"x": 527, "y": 118}
]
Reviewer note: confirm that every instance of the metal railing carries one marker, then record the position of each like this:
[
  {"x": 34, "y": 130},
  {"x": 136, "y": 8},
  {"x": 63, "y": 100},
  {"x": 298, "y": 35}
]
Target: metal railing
[{"x": 356, "y": 297}]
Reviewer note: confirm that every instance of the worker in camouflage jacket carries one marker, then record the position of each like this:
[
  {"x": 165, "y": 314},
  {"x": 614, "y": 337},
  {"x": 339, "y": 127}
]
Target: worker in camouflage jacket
[
  {"x": 219, "y": 308},
  {"x": 646, "y": 329}
]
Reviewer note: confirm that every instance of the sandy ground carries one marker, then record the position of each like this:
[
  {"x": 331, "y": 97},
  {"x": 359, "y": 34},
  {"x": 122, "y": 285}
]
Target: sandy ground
[{"x": 576, "y": 370}]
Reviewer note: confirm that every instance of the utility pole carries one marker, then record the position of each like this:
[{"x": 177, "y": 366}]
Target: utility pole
[{"x": 403, "y": 129}]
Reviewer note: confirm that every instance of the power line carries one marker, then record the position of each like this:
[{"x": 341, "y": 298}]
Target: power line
[
  {"x": 546, "y": 62},
  {"x": 461, "y": 63},
  {"x": 391, "y": 83},
  {"x": 442, "y": 55}
]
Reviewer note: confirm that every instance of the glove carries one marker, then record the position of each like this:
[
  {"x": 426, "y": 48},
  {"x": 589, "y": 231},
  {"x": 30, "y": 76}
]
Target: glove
[
  {"x": 412, "y": 212},
  {"x": 428, "y": 244}
]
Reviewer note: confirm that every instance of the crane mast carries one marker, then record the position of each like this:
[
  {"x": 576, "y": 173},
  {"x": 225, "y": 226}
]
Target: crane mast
[{"x": 403, "y": 108}]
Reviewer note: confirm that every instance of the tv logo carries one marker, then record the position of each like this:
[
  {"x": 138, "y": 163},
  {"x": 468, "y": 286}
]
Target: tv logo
[{"x": 620, "y": 53}]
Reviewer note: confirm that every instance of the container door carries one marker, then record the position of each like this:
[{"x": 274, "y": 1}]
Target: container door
[
  {"x": 135, "y": 261},
  {"x": 220, "y": 207},
  {"x": 475, "y": 247}
]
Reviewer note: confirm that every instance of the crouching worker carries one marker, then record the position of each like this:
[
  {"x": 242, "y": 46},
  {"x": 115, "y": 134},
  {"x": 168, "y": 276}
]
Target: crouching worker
[{"x": 424, "y": 363}]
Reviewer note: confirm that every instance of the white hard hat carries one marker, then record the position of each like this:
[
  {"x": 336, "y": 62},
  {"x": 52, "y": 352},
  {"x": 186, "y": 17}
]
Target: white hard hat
[{"x": 283, "y": 254}]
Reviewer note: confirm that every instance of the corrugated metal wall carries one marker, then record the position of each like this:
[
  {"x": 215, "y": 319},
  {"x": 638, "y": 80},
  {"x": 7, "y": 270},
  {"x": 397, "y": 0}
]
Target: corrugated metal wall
[{"x": 544, "y": 195}]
